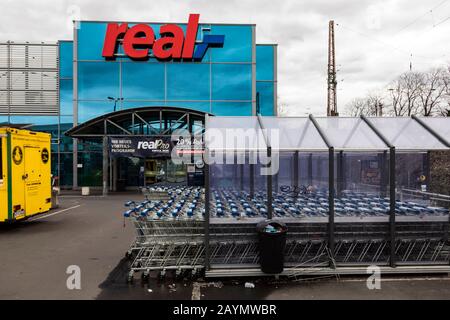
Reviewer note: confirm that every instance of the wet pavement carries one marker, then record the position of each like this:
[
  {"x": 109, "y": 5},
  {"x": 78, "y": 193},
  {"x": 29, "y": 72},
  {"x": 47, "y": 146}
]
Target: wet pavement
[{"x": 92, "y": 234}]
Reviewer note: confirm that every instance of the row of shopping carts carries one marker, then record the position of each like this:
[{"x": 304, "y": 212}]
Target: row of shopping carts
[
  {"x": 233, "y": 203},
  {"x": 188, "y": 202},
  {"x": 170, "y": 233}
]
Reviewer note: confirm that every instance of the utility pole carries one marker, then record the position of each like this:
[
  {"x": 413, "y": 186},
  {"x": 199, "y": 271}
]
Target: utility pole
[{"x": 331, "y": 103}]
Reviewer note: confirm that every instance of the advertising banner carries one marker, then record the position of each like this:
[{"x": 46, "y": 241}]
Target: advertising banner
[
  {"x": 140, "y": 146},
  {"x": 153, "y": 146}
]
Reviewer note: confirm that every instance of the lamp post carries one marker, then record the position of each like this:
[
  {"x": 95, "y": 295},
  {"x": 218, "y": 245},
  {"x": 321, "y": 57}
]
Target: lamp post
[{"x": 115, "y": 101}]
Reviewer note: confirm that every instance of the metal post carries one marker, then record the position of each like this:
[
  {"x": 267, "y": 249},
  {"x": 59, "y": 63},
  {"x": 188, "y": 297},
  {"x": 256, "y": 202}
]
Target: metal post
[
  {"x": 115, "y": 173},
  {"x": 392, "y": 205},
  {"x": 269, "y": 186},
  {"x": 383, "y": 171},
  {"x": 330, "y": 188},
  {"x": 310, "y": 170},
  {"x": 105, "y": 165},
  {"x": 207, "y": 213},
  {"x": 111, "y": 174},
  {"x": 331, "y": 203},
  {"x": 252, "y": 180},
  {"x": 241, "y": 167},
  {"x": 344, "y": 171},
  {"x": 235, "y": 171},
  {"x": 295, "y": 175},
  {"x": 340, "y": 173},
  {"x": 427, "y": 169}
]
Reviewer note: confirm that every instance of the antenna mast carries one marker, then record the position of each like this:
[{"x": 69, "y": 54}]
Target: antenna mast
[{"x": 331, "y": 103}]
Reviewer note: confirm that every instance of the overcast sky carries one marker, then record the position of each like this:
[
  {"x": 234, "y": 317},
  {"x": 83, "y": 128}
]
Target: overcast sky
[{"x": 374, "y": 39}]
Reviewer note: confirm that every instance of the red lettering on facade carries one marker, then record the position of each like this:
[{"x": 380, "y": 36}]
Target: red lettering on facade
[
  {"x": 191, "y": 35},
  {"x": 139, "y": 39},
  {"x": 171, "y": 43},
  {"x": 113, "y": 32}
]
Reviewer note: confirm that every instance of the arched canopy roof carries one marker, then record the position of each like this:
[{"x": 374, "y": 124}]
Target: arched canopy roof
[{"x": 140, "y": 121}]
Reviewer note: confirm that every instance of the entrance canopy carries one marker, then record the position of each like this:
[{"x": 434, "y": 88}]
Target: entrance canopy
[{"x": 160, "y": 121}]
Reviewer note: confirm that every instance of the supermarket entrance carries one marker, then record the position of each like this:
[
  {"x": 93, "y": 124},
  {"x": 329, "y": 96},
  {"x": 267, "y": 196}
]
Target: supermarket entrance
[
  {"x": 137, "y": 146},
  {"x": 164, "y": 171},
  {"x": 132, "y": 172}
]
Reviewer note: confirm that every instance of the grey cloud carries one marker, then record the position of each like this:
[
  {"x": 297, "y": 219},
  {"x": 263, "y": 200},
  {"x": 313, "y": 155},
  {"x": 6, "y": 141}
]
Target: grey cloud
[{"x": 369, "y": 48}]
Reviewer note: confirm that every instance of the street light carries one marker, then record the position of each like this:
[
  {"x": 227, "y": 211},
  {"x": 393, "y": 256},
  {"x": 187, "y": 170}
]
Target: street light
[{"x": 115, "y": 101}]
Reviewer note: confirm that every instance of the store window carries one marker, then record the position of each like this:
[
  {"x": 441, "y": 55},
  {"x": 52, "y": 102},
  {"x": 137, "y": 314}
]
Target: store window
[
  {"x": 66, "y": 59},
  {"x": 266, "y": 97},
  {"x": 232, "y": 82},
  {"x": 188, "y": 81},
  {"x": 265, "y": 62},
  {"x": 143, "y": 81},
  {"x": 98, "y": 80}
]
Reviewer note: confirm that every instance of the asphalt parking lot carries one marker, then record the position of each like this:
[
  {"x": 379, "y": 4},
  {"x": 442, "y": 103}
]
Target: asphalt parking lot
[{"x": 90, "y": 233}]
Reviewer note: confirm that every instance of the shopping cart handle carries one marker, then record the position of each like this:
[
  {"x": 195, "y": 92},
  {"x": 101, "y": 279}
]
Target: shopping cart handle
[
  {"x": 129, "y": 203},
  {"x": 160, "y": 213},
  {"x": 145, "y": 212},
  {"x": 128, "y": 213}
]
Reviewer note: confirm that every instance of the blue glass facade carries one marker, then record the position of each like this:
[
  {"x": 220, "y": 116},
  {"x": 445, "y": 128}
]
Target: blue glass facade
[
  {"x": 266, "y": 78},
  {"x": 225, "y": 82},
  {"x": 222, "y": 83}
]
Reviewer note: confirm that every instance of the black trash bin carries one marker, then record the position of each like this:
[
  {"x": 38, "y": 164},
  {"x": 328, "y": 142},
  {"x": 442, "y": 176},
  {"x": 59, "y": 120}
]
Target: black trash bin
[{"x": 272, "y": 240}]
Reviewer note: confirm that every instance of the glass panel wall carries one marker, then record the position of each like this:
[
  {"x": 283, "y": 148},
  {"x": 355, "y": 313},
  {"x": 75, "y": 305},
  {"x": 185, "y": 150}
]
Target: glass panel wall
[
  {"x": 266, "y": 78},
  {"x": 66, "y": 113},
  {"x": 90, "y": 169},
  {"x": 419, "y": 210}
]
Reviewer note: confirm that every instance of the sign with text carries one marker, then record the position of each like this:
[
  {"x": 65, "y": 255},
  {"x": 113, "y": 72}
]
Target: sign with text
[
  {"x": 154, "y": 146},
  {"x": 142, "y": 147},
  {"x": 173, "y": 43}
]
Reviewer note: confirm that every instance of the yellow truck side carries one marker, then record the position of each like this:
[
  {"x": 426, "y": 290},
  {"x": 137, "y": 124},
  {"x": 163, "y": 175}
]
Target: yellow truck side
[{"x": 25, "y": 174}]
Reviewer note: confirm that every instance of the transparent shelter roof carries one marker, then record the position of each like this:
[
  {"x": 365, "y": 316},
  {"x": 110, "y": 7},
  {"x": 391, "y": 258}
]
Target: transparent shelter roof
[
  {"x": 350, "y": 134},
  {"x": 440, "y": 125},
  {"x": 291, "y": 133},
  {"x": 343, "y": 133},
  {"x": 407, "y": 134},
  {"x": 234, "y": 134}
]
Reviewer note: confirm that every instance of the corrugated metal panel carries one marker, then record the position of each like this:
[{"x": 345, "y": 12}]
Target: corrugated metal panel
[{"x": 29, "y": 79}]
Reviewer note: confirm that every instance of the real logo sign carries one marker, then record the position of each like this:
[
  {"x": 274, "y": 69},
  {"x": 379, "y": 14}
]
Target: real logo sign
[
  {"x": 153, "y": 145},
  {"x": 172, "y": 44}
]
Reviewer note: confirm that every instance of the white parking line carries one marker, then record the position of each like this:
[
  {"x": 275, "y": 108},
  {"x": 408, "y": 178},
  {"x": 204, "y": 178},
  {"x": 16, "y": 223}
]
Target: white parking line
[{"x": 54, "y": 213}]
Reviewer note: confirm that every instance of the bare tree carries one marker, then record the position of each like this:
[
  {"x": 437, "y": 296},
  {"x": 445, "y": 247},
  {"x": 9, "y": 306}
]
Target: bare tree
[
  {"x": 356, "y": 107},
  {"x": 444, "y": 109},
  {"x": 431, "y": 91},
  {"x": 411, "y": 93},
  {"x": 397, "y": 94},
  {"x": 411, "y": 82},
  {"x": 370, "y": 105},
  {"x": 375, "y": 104}
]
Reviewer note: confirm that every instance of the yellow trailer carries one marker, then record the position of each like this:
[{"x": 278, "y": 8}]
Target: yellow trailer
[{"x": 25, "y": 174}]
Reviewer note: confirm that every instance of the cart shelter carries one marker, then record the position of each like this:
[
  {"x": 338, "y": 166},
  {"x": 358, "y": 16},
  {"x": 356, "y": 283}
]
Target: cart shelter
[{"x": 318, "y": 157}]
